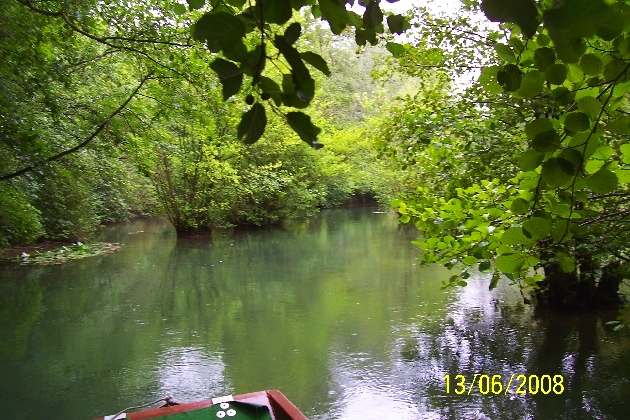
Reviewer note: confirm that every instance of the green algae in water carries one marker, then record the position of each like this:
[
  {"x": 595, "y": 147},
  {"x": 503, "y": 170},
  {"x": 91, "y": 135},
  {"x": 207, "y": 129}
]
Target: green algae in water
[{"x": 64, "y": 254}]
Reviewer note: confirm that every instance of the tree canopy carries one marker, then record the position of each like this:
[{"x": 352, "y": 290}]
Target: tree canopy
[
  {"x": 112, "y": 109},
  {"x": 542, "y": 194}
]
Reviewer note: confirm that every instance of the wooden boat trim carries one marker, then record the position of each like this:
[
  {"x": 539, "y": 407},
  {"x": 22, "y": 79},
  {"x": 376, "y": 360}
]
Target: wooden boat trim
[{"x": 279, "y": 405}]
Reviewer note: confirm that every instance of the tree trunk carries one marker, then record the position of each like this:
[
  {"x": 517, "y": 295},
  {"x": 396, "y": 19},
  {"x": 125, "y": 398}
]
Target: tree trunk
[{"x": 573, "y": 291}]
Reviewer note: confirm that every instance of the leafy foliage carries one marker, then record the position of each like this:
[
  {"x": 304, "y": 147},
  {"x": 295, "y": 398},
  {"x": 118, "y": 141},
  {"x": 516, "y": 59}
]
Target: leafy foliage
[
  {"x": 110, "y": 112},
  {"x": 19, "y": 220},
  {"x": 230, "y": 29},
  {"x": 562, "y": 211}
]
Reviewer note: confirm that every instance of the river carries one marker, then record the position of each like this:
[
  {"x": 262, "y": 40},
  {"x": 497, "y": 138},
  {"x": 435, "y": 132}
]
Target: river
[{"x": 334, "y": 311}]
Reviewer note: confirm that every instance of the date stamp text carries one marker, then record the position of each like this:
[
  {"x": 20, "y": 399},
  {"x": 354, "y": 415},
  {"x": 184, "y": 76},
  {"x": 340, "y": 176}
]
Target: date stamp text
[{"x": 520, "y": 384}]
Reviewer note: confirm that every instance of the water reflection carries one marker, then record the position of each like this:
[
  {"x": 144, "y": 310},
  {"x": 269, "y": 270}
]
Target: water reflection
[
  {"x": 191, "y": 371},
  {"x": 333, "y": 311}
]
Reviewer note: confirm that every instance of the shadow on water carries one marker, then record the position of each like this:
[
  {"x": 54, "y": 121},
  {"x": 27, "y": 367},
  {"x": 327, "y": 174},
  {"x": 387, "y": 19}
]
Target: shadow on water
[{"x": 332, "y": 310}]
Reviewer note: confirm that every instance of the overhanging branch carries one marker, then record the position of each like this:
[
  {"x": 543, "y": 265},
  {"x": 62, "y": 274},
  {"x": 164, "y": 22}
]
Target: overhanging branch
[{"x": 84, "y": 143}]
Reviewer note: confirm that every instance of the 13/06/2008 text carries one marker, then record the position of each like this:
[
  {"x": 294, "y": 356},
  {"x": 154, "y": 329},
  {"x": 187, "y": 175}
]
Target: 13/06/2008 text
[{"x": 522, "y": 384}]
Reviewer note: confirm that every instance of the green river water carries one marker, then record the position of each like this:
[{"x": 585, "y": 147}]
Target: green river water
[{"x": 333, "y": 311}]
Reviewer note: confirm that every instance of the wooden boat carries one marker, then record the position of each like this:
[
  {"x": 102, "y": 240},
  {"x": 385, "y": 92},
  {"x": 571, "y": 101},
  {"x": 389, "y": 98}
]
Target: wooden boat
[{"x": 270, "y": 404}]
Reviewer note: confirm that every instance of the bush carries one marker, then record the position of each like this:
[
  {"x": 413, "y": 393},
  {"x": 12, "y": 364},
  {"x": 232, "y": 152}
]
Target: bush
[
  {"x": 67, "y": 206},
  {"x": 19, "y": 220}
]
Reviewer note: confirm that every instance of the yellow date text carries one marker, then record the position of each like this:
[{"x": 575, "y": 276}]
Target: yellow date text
[{"x": 519, "y": 384}]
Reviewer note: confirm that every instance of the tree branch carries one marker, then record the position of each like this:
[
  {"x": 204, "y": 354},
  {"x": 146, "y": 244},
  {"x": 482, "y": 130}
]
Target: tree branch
[
  {"x": 41, "y": 11},
  {"x": 95, "y": 133}
]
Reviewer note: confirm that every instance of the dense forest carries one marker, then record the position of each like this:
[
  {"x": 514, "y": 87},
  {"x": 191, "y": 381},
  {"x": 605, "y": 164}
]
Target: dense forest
[{"x": 500, "y": 132}]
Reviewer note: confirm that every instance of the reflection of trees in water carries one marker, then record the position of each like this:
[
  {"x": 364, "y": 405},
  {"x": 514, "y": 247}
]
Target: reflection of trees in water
[
  {"x": 596, "y": 384},
  {"x": 484, "y": 340},
  {"x": 505, "y": 339},
  {"x": 21, "y": 305}
]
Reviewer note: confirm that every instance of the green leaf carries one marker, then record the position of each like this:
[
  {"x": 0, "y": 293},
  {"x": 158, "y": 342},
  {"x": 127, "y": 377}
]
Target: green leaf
[
  {"x": 603, "y": 152},
  {"x": 302, "y": 125},
  {"x": 571, "y": 21},
  {"x": 578, "y": 230},
  {"x": 396, "y": 49},
  {"x": 539, "y": 125},
  {"x": 298, "y": 4},
  {"x": 532, "y": 84},
  {"x": 253, "y": 123},
  {"x": 584, "y": 92},
  {"x": 547, "y": 141},
  {"x": 195, "y": 4},
  {"x": 254, "y": 61},
  {"x": 514, "y": 262},
  {"x": 602, "y": 182},
  {"x": 562, "y": 95},
  {"x": 625, "y": 152},
  {"x": 505, "y": 52},
  {"x": 510, "y": 78},
  {"x": 560, "y": 232},
  {"x": 537, "y": 227},
  {"x": 563, "y": 210},
  {"x": 179, "y": 9},
  {"x": 293, "y": 33},
  {"x": 316, "y": 61},
  {"x": 515, "y": 236},
  {"x": 590, "y": 106},
  {"x": 484, "y": 266},
  {"x": 573, "y": 156},
  {"x": 587, "y": 142},
  {"x": 364, "y": 35},
  {"x": 591, "y": 64},
  {"x": 271, "y": 88},
  {"x": 575, "y": 73},
  {"x": 620, "y": 125},
  {"x": 288, "y": 87},
  {"x": 519, "y": 206},
  {"x": 222, "y": 28},
  {"x": 231, "y": 77},
  {"x": 335, "y": 14},
  {"x": 238, "y": 52},
  {"x": 301, "y": 78},
  {"x": 593, "y": 166},
  {"x": 462, "y": 283},
  {"x": 556, "y": 73},
  {"x": 543, "y": 58},
  {"x": 355, "y": 20},
  {"x": 566, "y": 262},
  {"x": 521, "y": 12},
  {"x": 494, "y": 281},
  {"x": 624, "y": 48},
  {"x": 557, "y": 172},
  {"x": 617, "y": 71},
  {"x": 396, "y": 24},
  {"x": 277, "y": 11},
  {"x": 373, "y": 16},
  {"x": 488, "y": 79},
  {"x": 530, "y": 159},
  {"x": 532, "y": 280},
  {"x": 623, "y": 176},
  {"x": 577, "y": 121}
]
